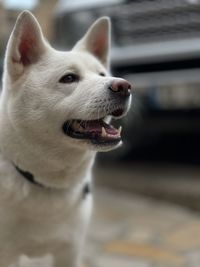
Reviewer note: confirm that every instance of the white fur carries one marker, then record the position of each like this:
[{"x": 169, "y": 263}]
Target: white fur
[{"x": 45, "y": 227}]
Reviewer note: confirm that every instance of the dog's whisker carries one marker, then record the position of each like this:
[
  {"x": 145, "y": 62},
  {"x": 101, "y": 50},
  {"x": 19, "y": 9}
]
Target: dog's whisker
[
  {"x": 98, "y": 114},
  {"x": 104, "y": 108}
]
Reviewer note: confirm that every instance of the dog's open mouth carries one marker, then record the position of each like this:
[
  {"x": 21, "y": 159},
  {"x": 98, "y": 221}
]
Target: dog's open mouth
[{"x": 97, "y": 131}]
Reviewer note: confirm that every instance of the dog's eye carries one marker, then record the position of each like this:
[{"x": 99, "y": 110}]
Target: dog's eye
[
  {"x": 69, "y": 78},
  {"x": 102, "y": 74}
]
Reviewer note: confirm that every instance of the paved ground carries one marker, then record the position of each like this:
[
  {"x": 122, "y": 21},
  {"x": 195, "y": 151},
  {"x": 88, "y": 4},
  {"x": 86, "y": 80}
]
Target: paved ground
[
  {"x": 175, "y": 183},
  {"x": 132, "y": 231}
]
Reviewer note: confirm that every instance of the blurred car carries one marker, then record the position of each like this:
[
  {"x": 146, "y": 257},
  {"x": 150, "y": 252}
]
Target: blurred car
[{"x": 156, "y": 45}]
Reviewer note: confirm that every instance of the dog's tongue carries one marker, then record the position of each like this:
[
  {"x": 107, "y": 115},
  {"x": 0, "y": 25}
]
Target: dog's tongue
[
  {"x": 97, "y": 125},
  {"x": 97, "y": 131}
]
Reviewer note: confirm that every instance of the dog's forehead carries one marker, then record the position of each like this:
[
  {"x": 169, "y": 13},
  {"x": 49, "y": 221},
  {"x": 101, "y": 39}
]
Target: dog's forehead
[{"x": 75, "y": 61}]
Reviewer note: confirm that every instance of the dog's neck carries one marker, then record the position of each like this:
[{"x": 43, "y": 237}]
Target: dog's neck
[
  {"x": 57, "y": 170},
  {"x": 73, "y": 171},
  {"x": 30, "y": 177}
]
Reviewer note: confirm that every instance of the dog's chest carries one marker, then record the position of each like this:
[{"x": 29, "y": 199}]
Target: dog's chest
[{"x": 42, "y": 222}]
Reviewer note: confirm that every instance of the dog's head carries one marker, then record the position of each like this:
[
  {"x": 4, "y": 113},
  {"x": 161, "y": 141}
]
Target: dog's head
[{"x": 61, "y": 99}]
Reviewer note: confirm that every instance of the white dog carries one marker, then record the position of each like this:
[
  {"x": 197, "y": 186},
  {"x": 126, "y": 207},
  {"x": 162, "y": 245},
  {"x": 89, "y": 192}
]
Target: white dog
[{"x": 54, "y": 115}]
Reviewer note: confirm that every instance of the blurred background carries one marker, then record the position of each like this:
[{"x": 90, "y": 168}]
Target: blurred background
[{"x": 156, "y": 46}]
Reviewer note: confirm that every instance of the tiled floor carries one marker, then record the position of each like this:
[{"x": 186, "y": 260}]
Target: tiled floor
[{"x": 132, "y": 231}]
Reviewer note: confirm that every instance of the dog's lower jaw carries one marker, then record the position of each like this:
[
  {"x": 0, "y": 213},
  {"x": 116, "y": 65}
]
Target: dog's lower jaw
[{"x": 106, "y": 148}]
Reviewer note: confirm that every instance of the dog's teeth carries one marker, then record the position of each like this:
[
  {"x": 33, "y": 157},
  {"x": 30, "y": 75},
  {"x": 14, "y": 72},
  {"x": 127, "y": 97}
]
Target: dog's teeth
[
  {"x": 80, "y": 128},
  {"x": 77, "y": 126},
  {"x": 120, "y": 130},
  {"x": 103, "y": 132}
]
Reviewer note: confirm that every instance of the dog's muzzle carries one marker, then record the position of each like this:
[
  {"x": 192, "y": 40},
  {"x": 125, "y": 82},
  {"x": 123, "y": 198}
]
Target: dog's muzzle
[{"x": 98, "y": 131}]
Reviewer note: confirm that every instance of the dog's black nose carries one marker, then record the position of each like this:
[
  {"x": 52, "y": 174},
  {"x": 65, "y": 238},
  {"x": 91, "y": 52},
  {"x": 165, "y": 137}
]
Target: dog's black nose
[{"x": 121, "y": 87}]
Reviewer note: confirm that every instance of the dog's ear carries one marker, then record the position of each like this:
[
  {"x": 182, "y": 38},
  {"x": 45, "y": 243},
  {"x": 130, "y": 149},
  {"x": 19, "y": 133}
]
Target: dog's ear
[
  {"x": 97, "y": 40},
  {"x": 25, "y": 46}
]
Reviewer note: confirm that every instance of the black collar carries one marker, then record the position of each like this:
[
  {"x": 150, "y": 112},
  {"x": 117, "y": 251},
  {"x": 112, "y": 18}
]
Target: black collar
[{"x": 30, "y": 177}]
